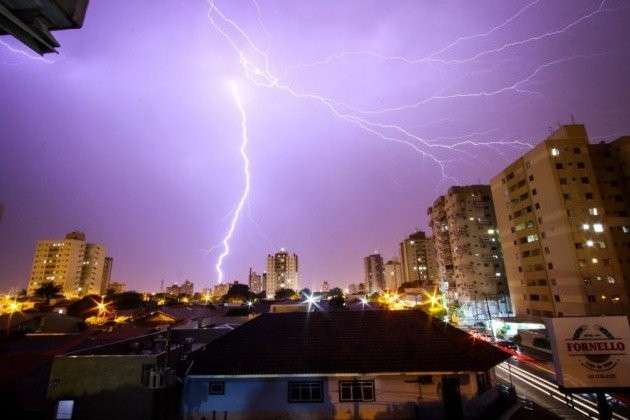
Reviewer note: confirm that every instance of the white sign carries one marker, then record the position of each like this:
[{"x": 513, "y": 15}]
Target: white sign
[{"x": 591, "y": 352}]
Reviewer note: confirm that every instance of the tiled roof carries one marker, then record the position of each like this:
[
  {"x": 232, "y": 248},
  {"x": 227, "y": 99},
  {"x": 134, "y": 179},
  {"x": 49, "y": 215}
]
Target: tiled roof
[{"x": 345, "y": 342}]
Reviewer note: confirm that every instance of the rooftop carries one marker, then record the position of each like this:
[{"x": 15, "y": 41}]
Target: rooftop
[{"x": 345, "y": 342}]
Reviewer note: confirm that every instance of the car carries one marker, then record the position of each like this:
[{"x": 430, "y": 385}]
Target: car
[{"x": 506, "y": 345}]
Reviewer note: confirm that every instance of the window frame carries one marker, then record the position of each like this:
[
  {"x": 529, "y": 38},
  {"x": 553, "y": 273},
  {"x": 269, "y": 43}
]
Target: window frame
[
  {"x": 309, "y": 384},
  {"x": 215, "y": 383},
  {"x": 360, "y": 384}
]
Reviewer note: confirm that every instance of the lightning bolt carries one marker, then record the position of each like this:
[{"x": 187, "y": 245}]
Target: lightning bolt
[
  {"x": 24, "y": 53},
  {"x": 246, "y": 171},
  {"x": 256, "y": 68}
]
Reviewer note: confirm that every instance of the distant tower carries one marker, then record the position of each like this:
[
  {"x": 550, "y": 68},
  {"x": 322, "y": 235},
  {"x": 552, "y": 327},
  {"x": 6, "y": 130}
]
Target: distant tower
[
  {"x": 282, "y": 272},
  {"x": 374, "y": 278}
]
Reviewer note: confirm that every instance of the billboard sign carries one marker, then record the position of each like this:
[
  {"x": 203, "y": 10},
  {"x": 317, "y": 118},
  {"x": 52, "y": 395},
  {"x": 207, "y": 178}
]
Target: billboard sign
[{"x": 591, "y": 352}]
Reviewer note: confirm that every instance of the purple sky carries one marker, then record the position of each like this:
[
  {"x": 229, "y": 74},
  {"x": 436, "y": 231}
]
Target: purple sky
[{"x": 132, "y": 136}]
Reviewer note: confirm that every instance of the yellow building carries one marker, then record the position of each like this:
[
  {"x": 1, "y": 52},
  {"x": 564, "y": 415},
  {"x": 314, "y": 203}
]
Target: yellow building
[
  {"x": 72, "y": 263},
  {"x": 560, "y": 254},
  {"x": 418, "y": 259}
]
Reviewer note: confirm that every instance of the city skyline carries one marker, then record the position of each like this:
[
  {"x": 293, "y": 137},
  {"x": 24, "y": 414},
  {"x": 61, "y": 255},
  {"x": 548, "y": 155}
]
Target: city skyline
[{"x": 144, "y": 157}]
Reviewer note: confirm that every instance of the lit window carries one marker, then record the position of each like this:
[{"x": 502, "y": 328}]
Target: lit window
[
  {"x": 497, "y": 274},
  {"x": 611, "y": 280},
  {"x": 625, "y": 229},
  {"x": 532, "y": 238},
  {"x": 471, "y": 218},
  {"x": 586, "y": 226},
  {"x": 589, "y": 243},
  {"x": 594, "y": 260},
  {"x": 64, "y": 410},
  {"x": 490, "y": 231},
  {"x": 598, "y": 227},
  {"x": 555, "y": 151},
  {"x": 593, "y": 211}
]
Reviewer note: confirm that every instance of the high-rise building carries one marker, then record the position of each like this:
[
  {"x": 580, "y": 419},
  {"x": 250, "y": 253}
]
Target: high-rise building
[
  {"x": 282, "y": 272},
  {"x": 469, "y": 248},
  {"x": 442, "y": 242},
  {"x": 186, "y": 288},
  {"x": 325, "y": 287},
  {"x": 256, "y": 284},
  {"x": 373, "y": 269},
  {"x": 392, "y": 271},
  {"x": 418, "y": 261},
  {"x": 107, "y": 274},
  {"x": 72, "y": 263},
  {"x": 117, "y": 287},
  {"x": 563, "y": 220}
]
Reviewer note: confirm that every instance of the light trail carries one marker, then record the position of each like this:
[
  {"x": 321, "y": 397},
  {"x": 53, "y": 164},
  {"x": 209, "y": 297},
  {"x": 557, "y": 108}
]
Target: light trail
[
  {"x": 246, "y": 171},
  {"x": 575, "y": 401}
]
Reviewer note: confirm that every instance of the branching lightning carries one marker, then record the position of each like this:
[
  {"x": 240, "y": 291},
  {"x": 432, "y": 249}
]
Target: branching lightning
[
  {"x": 255, "y": 64},
  {"x": 246, "y": 171}
]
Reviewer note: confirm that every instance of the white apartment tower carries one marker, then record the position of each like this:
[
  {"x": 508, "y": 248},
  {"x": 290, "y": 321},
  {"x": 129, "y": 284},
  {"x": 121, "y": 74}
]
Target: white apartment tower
[{"x": 282, "y": 272}]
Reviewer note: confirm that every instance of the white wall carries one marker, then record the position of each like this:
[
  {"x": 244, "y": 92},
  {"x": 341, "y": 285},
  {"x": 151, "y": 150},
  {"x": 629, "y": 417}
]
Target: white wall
[{"x": 396, "y": 397}]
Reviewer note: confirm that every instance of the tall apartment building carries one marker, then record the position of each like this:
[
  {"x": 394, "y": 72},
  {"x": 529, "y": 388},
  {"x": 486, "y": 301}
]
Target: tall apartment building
[
  {"x": 282, "y": 272},
  {"x": 563, "y": 220},
  {"x": 80, "y": 268},
  {"x": 469, "y": 252},
  {"x": 186, "y": 288},
  {"x": 255, "y": 281},
  {"x": 392, "y": 271},
  {"x": 418, "y": 260},
  {"x": 374, "y": 276}
]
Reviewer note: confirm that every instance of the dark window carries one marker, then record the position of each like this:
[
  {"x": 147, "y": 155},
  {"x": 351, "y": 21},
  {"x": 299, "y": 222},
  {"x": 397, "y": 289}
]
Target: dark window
[
  {"x": 534, "y": 297},
  {"x": 425, "y": 379},
  {"x": 534, "y": 191},
  {"x": 580, "y": 165},
  {"x": 483, "y": 382},
  {"x": 559, "y": 166},
  {"x": 550, "y": 266},
  {"x": 591, "y": 298},
  {"x": 356, "y": 391},
  {"x": 563, "y": 181},
  {"x": 588, "y": 196},
  {"x": 531, "y": 177},
  {"x": 556, "y": 298},
  {"x": 310, "y": 391},
  {"x": 576, "y": 150},
  {"x": 585, "y": 180},
  {"x": 216, "y": 388}
]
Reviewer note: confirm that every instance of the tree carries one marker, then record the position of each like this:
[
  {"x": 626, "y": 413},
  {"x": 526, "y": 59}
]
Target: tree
[
  {"x": 84, "y": 307},
  {"x": 48, "y": 291},
  {"x": 337, "y": 302},
  {"x": 335, "y": 291},
  {"x": 238, "y": 293},
  {"x": 127, "y": 300},
  {"x": 282, "y": 294}
]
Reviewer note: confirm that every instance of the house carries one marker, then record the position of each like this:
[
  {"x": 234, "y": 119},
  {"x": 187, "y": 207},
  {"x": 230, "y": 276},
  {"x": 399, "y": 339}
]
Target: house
[
  {"x": 344, "y": 365},
  {"x": 134, "y": 378}
]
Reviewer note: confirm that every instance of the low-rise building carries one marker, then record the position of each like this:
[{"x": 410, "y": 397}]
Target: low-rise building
[{"x": 394, "y": 364}]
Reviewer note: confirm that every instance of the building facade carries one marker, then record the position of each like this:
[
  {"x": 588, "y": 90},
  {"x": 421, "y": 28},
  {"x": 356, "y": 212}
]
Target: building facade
[
  {"x": 255, "y": 281},
  {"x": 415, "y": 369},
  {"x": 72, "y": 263},
  {"x": 561, "y": 213},
  {"x": 418, "y": 260},
  {"x": 470, "y": 249},
  {"x": 282, "y": 272},
  {"x": 373, "y": 270},
  {"x": 392, "y": 271},
  {"x": 186, "y": 288}
]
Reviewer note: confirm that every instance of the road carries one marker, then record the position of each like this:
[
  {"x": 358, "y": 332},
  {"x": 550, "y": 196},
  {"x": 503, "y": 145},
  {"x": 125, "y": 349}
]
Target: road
[{"x": 534, "y": 381}]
